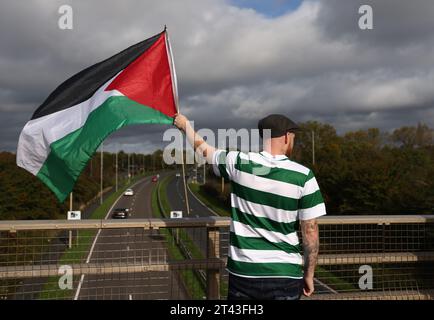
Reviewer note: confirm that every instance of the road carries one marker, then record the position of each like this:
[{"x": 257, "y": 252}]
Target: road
[
  {"x": 175, "y": 189},
  {"x": 29, "y": 289},
  {"x": 130, "y": 245}
]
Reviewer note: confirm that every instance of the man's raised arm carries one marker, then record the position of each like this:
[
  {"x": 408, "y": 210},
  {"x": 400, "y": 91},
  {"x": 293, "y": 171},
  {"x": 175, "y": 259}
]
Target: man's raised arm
[{"x": 197, "y": 142}]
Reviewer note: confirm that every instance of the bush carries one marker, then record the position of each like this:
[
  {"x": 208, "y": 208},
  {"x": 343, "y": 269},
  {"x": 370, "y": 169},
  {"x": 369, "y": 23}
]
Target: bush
[{"x": 213, "y": 189}]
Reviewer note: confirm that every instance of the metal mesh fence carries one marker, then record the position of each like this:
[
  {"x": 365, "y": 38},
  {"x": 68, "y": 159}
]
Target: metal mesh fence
[
  {"x": 185, "y": 259},
  {"x": 384, "y": 260}
]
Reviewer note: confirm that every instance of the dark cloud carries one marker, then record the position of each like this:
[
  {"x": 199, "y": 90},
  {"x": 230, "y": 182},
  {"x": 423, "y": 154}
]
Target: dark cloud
[
  {"x": 234, "y": 65},
  {"x": 396, "y": 23}
]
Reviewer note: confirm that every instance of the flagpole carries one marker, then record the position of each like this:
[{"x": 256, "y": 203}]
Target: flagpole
[
  {"x": 128, "y": 167},
  {"x": 116, "y": 168},
  {"x": 175, "y": 91},
  {"x": 70, "y": 231},
  {"x": 102, "y": 169}
]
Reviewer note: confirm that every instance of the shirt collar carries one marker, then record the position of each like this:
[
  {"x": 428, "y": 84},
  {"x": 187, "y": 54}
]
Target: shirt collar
[{"x": 275, "y": 157}]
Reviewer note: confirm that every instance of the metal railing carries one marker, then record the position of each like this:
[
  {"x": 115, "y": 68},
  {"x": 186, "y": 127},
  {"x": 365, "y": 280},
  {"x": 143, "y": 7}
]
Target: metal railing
[{"x": 185, "y": 258}]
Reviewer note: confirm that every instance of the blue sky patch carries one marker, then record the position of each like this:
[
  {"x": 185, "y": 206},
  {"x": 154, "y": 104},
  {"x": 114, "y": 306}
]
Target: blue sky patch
[{"x": 270, "y": 8}]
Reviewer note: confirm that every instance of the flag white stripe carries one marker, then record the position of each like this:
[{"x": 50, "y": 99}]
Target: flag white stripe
[{"x": 38, "y": 134}]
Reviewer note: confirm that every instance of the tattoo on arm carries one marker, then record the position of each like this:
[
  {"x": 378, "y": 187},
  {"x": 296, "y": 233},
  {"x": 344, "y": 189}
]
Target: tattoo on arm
[{"x": 309, "y": 230}]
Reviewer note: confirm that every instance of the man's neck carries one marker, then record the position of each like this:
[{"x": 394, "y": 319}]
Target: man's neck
[{"x": 274, "y": 151}]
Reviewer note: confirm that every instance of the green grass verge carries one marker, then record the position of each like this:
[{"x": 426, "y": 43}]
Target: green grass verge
[
  {"x": 333, "y": 281},
  {"x": 79, "y": 251},
  {"x": 210, "y": 202},
  {"x": 162, "y": 185},
  {"x": 188, "y": 277}
]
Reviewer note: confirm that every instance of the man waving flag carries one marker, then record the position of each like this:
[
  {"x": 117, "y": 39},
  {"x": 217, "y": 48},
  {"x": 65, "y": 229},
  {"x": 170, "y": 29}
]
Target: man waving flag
[{"x": 135, "y": 86}]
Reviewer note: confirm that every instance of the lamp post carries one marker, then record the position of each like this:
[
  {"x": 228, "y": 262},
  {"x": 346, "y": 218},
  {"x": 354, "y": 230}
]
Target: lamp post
[{"x": 313, "y": 147}]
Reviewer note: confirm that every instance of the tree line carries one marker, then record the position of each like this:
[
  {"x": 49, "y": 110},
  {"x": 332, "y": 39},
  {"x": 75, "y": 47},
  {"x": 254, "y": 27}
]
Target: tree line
[
  {"x": 23, "y": 196},
  {"x": 359, "y": 172}
]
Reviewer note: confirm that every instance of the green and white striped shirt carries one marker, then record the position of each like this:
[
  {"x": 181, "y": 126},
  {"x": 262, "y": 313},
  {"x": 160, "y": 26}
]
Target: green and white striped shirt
[{"x": 270, "y": 194}]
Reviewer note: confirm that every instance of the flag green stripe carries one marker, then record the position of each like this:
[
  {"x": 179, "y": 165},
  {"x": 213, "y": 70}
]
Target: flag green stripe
[
  {"x": 265, "y": 198},
  {"x": 69, "y": 155},
  {"x": 263, "y": 223},
  {"x": 265, "y": 269},
  {"x": 277, "y": 174},
  {"x": 262, "y": 244}
]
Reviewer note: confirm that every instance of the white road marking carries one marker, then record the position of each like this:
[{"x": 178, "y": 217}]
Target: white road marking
[
  {"x": 324, "y": 285},
  {"x": 211, "y": 210},
  {"x": 80, "y": 283}
]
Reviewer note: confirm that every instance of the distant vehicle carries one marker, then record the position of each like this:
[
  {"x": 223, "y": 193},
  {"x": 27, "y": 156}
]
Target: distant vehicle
[
  {"x": 129, "y": 192},
  {"x": 178, "y": 175},
  {"x": 120, "y": 213},
  {"x": 154, "y": 178}
]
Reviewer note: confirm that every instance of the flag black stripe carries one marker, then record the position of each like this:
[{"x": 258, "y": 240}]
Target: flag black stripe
[{"x": 84, "y": 84}]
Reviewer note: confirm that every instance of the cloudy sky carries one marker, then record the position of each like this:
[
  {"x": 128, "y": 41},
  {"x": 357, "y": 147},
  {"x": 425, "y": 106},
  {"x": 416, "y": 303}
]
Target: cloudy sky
[{"x": 236, "y": 60}]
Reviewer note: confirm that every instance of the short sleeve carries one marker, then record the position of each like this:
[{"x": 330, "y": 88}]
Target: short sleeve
[
  {"x": 224, "y": 163},
  {"x": 311, "y": 204}
]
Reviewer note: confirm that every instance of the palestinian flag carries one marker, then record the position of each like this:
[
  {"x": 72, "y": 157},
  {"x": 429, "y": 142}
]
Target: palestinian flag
[{"x": 135, "y": 86}]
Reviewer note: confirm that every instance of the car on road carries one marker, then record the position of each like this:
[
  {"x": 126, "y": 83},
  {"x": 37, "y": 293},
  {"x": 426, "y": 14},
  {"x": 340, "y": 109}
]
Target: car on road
[
  {"x": 120, "y": 213},
  {"x": 129, "y": 192},
  {"x": 178, "y": 175},
  {"x": 154, "y": 178}
]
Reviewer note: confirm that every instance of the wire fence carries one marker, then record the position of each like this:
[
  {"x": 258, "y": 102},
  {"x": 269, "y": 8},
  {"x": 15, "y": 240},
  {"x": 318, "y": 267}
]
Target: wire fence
[
  {"x": 390, "y": 259},
  {"x": 369, "y": 257}
]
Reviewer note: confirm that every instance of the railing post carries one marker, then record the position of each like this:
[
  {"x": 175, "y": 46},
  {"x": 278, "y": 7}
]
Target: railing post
[{"x": 213, "y": 274}]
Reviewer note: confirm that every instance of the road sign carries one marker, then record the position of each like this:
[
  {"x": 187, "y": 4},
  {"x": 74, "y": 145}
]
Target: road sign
[
  {"x": 74, "y": 215},
  {"x": 175, "y": 214}
]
